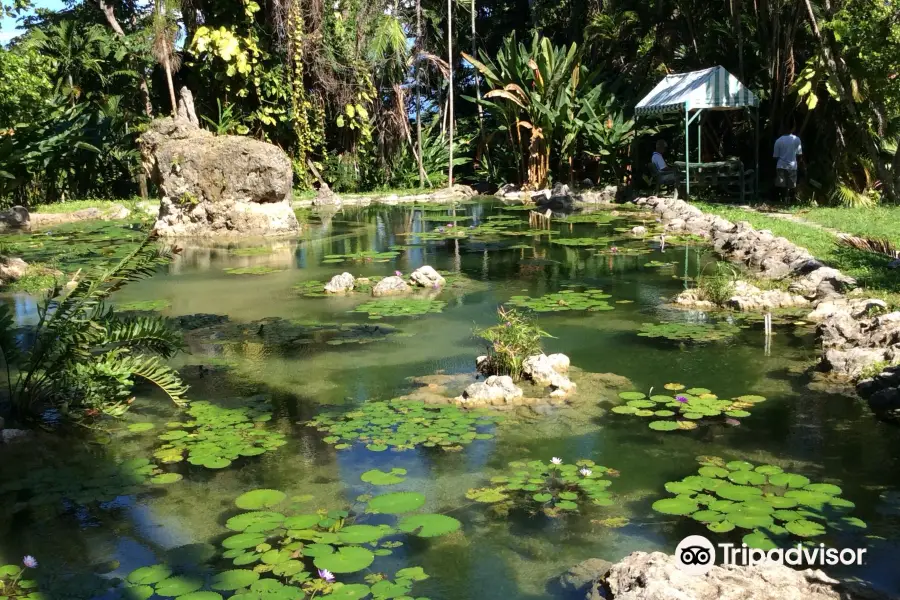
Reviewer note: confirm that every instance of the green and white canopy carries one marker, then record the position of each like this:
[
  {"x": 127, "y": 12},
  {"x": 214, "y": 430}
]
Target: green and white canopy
[{"x": 710, "y": 89}]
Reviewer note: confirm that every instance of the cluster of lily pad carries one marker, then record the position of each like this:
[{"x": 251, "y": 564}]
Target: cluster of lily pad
[
  {"x": 773, "y": 504},
  {"x": 252, "y": 251},
  {"x": 690, "y": 332},
  {"x": 582, "y": 241},
  {"x": 624, "y": 251},
  {"x": 82, "y": 483},
  {"x": 363, "y": 256},
  {"x": 260, "y": 270},
  {"x": 403, "y": 425},
  {"x": 216, "y": 436},
  {"x": 445, "y": 218},
  {"x": 144, "y": 305},
  {"x": 591, "y": 300},
  {"x": 12, "y": 584},
  {"x": 293, "y": 553},
  {"x": 601, "y": 217},
  {"x": 553, "y": 488},
  {"x": 686, "y": 409},
  {"x": 399, "y": 307}
]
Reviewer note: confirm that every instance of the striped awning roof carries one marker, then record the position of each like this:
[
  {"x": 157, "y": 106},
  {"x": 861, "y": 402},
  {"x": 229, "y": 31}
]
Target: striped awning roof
[{"x": 713, "y": 88}]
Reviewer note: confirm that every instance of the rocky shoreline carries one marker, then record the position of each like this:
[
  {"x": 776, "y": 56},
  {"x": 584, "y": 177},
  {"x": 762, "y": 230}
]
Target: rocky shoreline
[{"x": 855, "y": 334}]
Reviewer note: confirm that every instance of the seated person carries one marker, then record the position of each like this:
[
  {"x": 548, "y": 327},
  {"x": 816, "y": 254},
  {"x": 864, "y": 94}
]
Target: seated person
[{"x": 666, "y": 173}]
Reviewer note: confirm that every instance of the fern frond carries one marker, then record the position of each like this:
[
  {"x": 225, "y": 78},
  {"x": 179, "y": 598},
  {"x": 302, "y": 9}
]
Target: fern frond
[
  {"x": 152, "y": 369},
  {"x": 143, "y": 334},
  {"x": 873, "y": 245}
]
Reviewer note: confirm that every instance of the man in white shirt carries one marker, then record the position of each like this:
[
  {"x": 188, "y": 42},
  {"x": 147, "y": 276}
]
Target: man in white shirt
[
  {"x": 666, "y": 173},
  {"x": 789, "y": 152}
]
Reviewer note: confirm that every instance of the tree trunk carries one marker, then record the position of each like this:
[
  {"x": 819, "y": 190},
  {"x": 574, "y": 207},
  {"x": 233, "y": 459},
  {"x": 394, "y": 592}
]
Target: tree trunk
[
  {"x": 838, "y": 76},
  {"x": 477, "y": 78},
  {"x": 114, "y": 25},
  {"x": 419, "y": 93},
  {"x": 450, "y": 97},
  {"x": 168, "y": 67}
]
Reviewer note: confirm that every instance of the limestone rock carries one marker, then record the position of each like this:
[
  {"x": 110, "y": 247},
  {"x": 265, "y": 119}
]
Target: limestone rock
[
  {"x": 852, "y": 344},
  {"x": 14, "y": 218},
  {"x": 549, "y": 371},
  {"x": 390, "y": 286},
  {"x": 340, "y": 284},
  {"x": 496, "y": 390},
  {"x": 427, "y": 277},
  {"x": 607, "y": 195},
  {"x": 857, "y": 308},
  {"x": 823, "y": 283},
  {"x": 655, "y": 576},
  {"x": 11, "y": 269},
  {"x": 217, "y": 185},
  {"x": 748, "y": 297},
  {"x": 639, "y": 230},
  {"x": 508, "y": 188}
]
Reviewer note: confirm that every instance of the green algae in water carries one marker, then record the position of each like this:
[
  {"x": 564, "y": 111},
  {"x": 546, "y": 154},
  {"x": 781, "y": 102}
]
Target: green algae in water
[
  {"x": 403, "y": 425},
  {"x": 591, "y": 300},
  {"x": 655, "y": 264},
  {"x": 556, "y": 489},
  {"x": 690, "y": 332},
  {"x": 773, "y": 504},
  {"x": 252, "y": 251},
  {"x": 400, "y": 307},
  {"x": 596, "y": 217},
  {"x": 582, "y": 242},
  {"x": 445, "y": 218},
  {"x": 686, "y": 409},
  {"x": 81, "y": 483},
  {"x": 364, "y": 256},
  {"x": 624, "y": 251},
  {"x": 144, "y": 305},
  {"x": 252, "y": 270},
  {"x": 216, "y": 436}
]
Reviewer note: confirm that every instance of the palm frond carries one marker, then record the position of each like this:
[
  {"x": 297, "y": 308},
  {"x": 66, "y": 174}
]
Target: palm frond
[
  {"x": 873, "y": 245},
  {"x": 153, "y": 370},
  {"x": 143, "y": 334}
]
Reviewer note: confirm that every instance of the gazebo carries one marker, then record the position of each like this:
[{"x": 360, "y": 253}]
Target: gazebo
[{"x": 696, "y": 92}]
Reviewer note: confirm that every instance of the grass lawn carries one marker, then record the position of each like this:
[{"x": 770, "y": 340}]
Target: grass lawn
[
  {"x": 73, "y": 205},
  {"x": 880, "y": 222},
  {"x": 870, "y": 270}
]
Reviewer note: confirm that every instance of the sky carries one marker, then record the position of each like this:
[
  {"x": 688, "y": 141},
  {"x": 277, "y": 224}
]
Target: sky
[{"x": 9, "y": 26}]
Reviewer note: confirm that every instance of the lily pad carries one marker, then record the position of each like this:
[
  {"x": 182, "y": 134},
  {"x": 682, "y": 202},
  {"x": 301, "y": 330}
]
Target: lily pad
[
  {"x": 234, "y": 580},
  {"x": 675, "y": 506},
  {"x": 690, "y": 332},
  {"x": 258, "y": 499},
  {"x": 591, "y": 300},
  {"x": 428, "y": 525},
  {"x": 396, "y": 503},
  {"x": 348, "y": 559}
]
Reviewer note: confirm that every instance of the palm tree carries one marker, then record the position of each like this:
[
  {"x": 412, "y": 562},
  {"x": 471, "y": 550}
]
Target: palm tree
[
  {"x": 165, "y": 33},
  {"x": 450, "y": 79},
  {"x": 75, "y": 52}
]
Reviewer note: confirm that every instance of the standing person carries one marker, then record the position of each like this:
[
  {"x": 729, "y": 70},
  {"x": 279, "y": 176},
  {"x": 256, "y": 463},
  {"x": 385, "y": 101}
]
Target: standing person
[{"x": 789, "y": 152}]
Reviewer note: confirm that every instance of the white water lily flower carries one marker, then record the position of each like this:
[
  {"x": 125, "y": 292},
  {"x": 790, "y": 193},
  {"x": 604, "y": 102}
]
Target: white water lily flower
[
  {"x": 556, "y": 460},
  {"x": 586, "y": 472}
]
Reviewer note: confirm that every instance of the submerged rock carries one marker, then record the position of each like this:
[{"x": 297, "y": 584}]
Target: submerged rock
[
  {"x": 497, "y": 390},
  {"x": 427, "y": 277},
  {"x": 217, "y": 185},
  {"x": 390, "y": 286},
  {"x": 340, "y": 284},
  {"x": 582, "y": 576},
  {"x": 656, "y": 576},
  {"x": 9, "y": 436}
]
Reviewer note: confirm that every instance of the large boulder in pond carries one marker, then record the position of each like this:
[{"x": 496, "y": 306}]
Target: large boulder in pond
[
  {"x": 14, "y": 219},
  {"x": 340, "y": 284},
  {"x": 390, "y": 286},
  {"x": 427, "y": 277},
  {"x": 215, "y": 185},
  {"x": 497, "y": 390}
]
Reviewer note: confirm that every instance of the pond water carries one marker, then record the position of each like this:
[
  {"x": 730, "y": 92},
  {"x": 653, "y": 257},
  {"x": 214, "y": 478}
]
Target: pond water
[{"x": 826, "y": 437}]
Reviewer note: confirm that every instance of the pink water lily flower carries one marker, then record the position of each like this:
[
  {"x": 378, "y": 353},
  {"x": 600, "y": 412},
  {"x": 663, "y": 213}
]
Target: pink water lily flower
[
  {"x": 30, "y": 562},
  {"x": 326, "y": 575},
  {"x": 398, "y": 273},
  {"x": 681, "y": 399}
]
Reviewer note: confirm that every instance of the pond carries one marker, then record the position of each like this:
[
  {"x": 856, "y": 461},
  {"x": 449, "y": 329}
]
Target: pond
[{"x": 288, "y": 351}]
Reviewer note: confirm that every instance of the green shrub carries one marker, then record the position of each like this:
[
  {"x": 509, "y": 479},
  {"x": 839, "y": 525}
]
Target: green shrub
[
  {"x": 718, "y": 287},
  {"x": 510, "y": 342}
]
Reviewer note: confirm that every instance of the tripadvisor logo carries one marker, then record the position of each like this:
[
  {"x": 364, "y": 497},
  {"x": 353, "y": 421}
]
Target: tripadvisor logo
[{"x": 696, "y": 555}]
